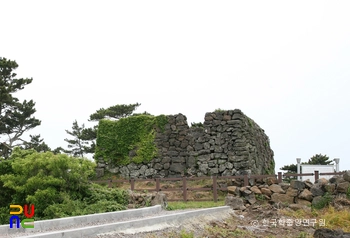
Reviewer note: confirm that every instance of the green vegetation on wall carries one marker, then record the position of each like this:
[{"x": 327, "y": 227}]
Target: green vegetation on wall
[
  {"x": 271, "y": 168},
  {"x": 116, "y": 139}
]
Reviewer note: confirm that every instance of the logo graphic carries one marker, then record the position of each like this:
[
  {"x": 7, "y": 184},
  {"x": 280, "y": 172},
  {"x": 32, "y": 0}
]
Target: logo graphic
[{"x": 26, "y": 220}]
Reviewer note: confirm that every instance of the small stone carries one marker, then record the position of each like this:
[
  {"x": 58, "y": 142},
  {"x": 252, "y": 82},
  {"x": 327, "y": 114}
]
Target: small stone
[
  {"x": 296, "y": 207},
  {"x": 271, "y": 181},
  {"x": 299, "y": 185},
  {"x": 255, "y": 190},
  {"x": 282, "y": 198},
  {"x": 233, "y": 190},
  {"x": 284, "y": 186},
  {"x": 276, "y": 188},
  {"x": 266, "y": 191},
  {"x": 331, "y": 188},
  {"x": 292, "y": 192},
  {"x": 308, "y": 183},
  {"x": 304, "y": 202},
  {"x": 322, "y": 181},
  {"x": 251, "y": 198},
  {"x": 306, "y": 194}
]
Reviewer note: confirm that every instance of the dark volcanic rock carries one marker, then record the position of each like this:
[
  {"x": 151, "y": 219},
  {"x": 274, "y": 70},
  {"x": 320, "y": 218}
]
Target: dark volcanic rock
[{"x": 328, "y": 233}]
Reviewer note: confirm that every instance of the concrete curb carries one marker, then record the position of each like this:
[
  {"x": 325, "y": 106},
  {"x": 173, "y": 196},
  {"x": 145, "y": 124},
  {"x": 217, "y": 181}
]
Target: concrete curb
[
  {"x": 133, "y": 224},
  {"x": 66, "y": 222}
]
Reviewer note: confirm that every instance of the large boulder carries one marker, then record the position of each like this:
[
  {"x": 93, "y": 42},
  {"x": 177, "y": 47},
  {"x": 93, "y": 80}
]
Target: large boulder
[
  {"x": 235, "y": 203},
  {"x": 299, "y": 185},
  {"x": 159, "y": 198},
  {"x": 281, "y": 198},
  {"x": 328, "y": 233},
  {"x": 322, "y": 181},
  {"x": 308, "y": 183},
  {"x": 306, "y": 195},
  {"x": 317, "y": 190},
  {"x": 343, "y": 187},
  {"x": 346, "y": 176},
  {"x": 276, "y": 188}
]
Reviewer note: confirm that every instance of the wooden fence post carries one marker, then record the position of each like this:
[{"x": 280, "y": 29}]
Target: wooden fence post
[
  {"x": 279, "y": 177},
  {"x": 245, "y": 180},
  {"x": 215, "y": 189},
  {"x": 132, "y": 182},
  {"x": 157, "y": 185},
  {"x": 110, "y": 183},
  {"x": 316, "y": 175},
  {"x": 184, "y": 188}
]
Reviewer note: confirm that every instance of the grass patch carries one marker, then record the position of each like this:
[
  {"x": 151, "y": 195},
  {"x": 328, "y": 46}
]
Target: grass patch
[
  {"x": 185, "y": 234},
  {"x": 193, "y": 204},
  {"x": 333, "y": 218},
  {"x": 336, "y": 219},
  {"x": 221, "y": 232}
]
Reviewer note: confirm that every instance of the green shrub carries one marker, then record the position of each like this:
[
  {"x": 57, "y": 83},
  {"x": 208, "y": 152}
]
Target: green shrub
[
  {"x": 4, "y": 215},
  {"x": 325, "y": 200},
  {"x": 98, "y": 193},
  {"x": 58, "y": 186}
]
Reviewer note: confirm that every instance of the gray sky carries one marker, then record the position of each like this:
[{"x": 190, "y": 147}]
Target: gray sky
[{"x": 285, "y": 64}]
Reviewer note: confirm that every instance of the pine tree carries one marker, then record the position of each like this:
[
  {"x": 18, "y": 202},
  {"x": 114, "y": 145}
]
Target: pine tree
[
  {"x": 77, "y": 146},
  {"x": 37, "y": 144},
  {"x": 115, "y": 112},
  {"x": 16, "y": 117},
  {"x": 319, "y": 159}
]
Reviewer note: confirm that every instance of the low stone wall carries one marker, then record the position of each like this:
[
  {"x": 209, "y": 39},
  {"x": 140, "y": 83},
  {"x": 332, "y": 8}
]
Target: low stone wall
[{"x": 296, "y": 195}]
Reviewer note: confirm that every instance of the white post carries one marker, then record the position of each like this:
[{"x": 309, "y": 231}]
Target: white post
[
  {"x": 336, "y": 164},
  {"x": 298, "y": 168}
]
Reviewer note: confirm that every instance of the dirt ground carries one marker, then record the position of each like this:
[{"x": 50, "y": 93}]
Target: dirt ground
[{"x": 257, "y": 221}]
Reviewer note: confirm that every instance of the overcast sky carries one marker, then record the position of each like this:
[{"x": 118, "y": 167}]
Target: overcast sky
[{"x": 285, "y": 64}]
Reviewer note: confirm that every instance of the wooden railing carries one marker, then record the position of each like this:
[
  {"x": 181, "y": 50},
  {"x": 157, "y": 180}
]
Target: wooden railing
[{"x": 214, "y": 187}]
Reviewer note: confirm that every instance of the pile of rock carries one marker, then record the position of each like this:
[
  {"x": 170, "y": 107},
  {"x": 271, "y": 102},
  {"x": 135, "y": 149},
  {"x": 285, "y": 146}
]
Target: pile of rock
[
  {"x": 138, "y": 199},
  {"x": 296, "y": 195}
]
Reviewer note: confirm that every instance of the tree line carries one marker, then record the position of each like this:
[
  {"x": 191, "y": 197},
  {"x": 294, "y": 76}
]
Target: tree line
[{"x": 17, "y": 118}]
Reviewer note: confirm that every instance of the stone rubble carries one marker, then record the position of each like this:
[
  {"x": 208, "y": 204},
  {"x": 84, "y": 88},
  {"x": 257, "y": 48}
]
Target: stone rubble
[{"x": 296, "y": 195}]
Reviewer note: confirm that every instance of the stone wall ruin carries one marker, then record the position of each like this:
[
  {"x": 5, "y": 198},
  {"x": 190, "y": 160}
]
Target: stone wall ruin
[{"x": 227, "y": 143}]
